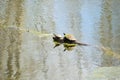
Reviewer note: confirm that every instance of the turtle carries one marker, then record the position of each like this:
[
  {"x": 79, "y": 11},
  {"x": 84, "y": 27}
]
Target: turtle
[
  {"x": 69, "y": 38},
  {"x": 70, "y": 41},
  {"x": 57, "y": 39}
]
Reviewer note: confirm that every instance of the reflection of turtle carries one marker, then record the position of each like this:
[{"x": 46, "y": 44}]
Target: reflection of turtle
[
  {"x": 57, "y": 39},
  {"x": 68, "y": 48},
  {"x": 70, "y": 42}
]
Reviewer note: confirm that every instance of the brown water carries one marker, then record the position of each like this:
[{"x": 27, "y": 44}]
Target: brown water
[{"x": 26, "y": 46}]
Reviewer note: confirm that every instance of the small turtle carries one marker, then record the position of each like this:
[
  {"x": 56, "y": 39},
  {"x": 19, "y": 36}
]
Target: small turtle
[{"x": 58, "y": 40}]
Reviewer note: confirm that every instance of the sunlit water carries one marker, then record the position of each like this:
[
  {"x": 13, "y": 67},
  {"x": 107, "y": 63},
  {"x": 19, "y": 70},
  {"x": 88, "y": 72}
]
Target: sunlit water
[{"x": 27, "y": 53}]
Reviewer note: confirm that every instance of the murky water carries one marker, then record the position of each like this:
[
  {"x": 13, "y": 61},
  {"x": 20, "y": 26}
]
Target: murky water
[{"x": 26, "y": 45}]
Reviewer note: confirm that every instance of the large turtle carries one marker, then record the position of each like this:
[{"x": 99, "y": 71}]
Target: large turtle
[
  {"x": 57, "y": 39},
  {"x": 70, "y": 42},
  {"x": 68, "y": 38}
]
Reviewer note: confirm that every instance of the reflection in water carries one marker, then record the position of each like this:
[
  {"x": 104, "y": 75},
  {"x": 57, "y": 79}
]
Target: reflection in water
[
  {"x": 17, "y": 66},
  {"x": 9, "y": 65},
  {"x": 44, "y": 53},
  {"x": 0, "y": 66},
  {"x": 29, "y": 55},
  {"x": 14, "y": 16},
  {"x": 61, "y": 65},
  {"x": 79, "y": 65},
  {"x": 11, "y": 42},
  {"x": 14, "y": 13},
  {"x": 2, "y": 49},
  {"x": 106, "y": 30},
  {"x": 13, "y": 69}
]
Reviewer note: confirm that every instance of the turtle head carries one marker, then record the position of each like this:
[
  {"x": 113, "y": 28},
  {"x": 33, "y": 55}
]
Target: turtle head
[
  {"x": 54, "y": 34},
  {"x": 64, "y": 33}
]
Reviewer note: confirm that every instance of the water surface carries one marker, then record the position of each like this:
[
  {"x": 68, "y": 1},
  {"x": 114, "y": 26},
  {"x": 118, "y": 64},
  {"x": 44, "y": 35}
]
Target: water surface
[{"x": 26, "y": 46}]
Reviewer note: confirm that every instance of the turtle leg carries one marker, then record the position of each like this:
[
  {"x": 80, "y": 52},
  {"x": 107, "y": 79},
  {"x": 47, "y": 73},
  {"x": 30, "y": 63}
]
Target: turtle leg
[
  {"x": 54, "y": 34},
  {"x": 56, "y": 45},
  {"x": 64, "y": 50}
]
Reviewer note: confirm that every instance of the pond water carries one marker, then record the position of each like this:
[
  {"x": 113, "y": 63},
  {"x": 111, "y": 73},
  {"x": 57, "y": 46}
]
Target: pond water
[{"x": 26, "y": 45}]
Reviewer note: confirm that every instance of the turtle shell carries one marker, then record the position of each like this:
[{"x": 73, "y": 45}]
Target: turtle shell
[
  {"x": 58, "y": 39},
  {"x": 70, "y": 37},
  {"x": 57, "y": 35}
]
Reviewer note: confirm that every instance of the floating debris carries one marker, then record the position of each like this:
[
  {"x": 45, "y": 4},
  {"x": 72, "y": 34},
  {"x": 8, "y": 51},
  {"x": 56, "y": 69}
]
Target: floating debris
[{"x": 110, "y": 52}]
